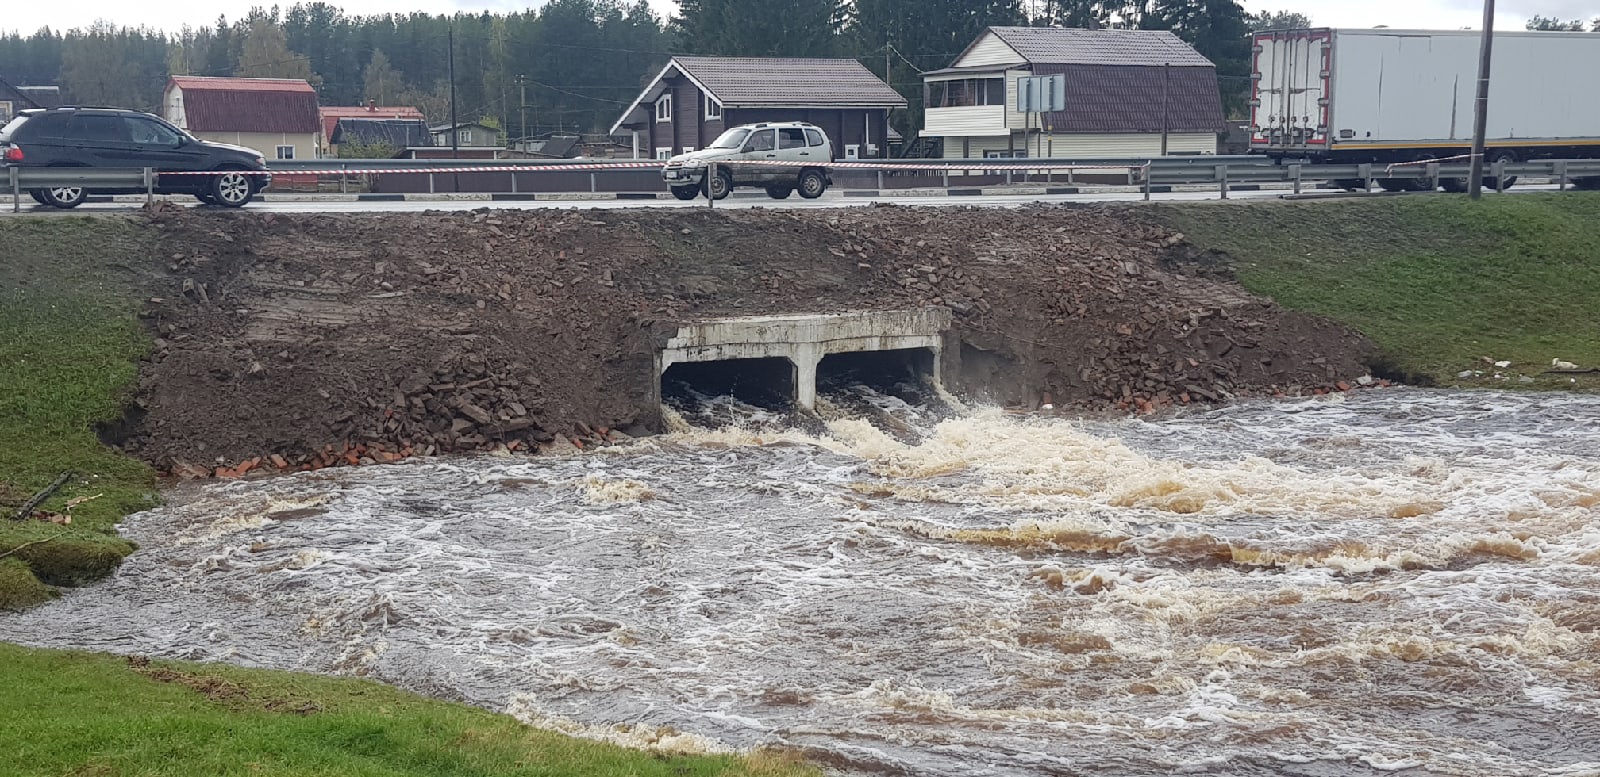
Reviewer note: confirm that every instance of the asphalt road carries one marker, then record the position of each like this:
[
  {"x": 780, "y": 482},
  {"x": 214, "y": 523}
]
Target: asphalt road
[{"x": 827, "y": 201}]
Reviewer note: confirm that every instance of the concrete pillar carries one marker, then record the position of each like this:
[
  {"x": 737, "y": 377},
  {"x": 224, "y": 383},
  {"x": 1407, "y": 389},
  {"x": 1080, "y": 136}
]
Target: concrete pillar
[{"x": 806, "y": 357}]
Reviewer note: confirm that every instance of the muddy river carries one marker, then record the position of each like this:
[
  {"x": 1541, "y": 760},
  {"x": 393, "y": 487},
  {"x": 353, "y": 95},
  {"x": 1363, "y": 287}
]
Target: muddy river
[{"x": 1394, "y": 581}]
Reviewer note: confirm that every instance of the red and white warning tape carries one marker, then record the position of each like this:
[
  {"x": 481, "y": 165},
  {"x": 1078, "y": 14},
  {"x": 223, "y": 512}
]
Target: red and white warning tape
[
  {"x": 567, "y": 168},
  {"x": 1429, "y": 161}
]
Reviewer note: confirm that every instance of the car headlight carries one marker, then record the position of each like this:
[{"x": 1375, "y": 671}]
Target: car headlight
[{"x": 261, "y": 160}]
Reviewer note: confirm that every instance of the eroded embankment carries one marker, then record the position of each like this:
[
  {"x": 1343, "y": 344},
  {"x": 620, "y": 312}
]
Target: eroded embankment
[{"x": 306, "y": 340}]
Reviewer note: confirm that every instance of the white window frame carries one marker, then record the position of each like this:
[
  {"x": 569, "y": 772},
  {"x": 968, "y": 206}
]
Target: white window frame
[
  {"x": 286, "y": 152},
  {"x": 664, "y": 108},
  {"x": 464, "y": 136},
  {"x": 688, "y": 150},
  {"x": 713, "y": 109},
  {"x": 663, "y": 154}
]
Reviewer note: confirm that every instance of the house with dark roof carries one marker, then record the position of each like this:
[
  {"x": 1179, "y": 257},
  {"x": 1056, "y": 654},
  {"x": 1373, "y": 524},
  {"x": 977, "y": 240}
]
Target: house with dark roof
[
  {"x": 694, "y": 99},
  {"x": 396, "y": 135},
  {"x": 331, "y": 114},
  {"x": 14, "y": 101},
  {"x": 275, "y": 116},
  {"x": 1129, "y": 93}
]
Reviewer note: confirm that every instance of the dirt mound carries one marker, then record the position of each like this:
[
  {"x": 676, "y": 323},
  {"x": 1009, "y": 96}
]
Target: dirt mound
[{"x": 308, "y": 340}]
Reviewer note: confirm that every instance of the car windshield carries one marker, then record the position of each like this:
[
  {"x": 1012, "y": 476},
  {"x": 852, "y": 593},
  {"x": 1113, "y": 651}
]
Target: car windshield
[{"x": 733, "y": 138}]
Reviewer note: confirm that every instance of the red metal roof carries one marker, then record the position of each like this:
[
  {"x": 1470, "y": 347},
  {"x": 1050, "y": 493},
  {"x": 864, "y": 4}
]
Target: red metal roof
[
  {"x": 331, "y": 114},
  {"x": 248, "y": 104}
]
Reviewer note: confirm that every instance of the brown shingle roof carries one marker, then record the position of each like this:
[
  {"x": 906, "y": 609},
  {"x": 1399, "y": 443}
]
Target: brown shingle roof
[
  {"x": 1119, "y": 98},
  {"x": 248, "y": 105},
  {"x": 786, "y": 82},
  {"x": 1060, "y": 46},
  {"x": 331, "y": 114}
]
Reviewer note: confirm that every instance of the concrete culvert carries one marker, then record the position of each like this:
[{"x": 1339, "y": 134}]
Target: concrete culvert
[
  {"x": 906, "y": 373},
  {"x": 766, "y": 383}
]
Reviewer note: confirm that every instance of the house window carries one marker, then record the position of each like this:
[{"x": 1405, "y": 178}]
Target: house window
[
  {"x": 664, "y": 108},
  {"x": 688, "y": 149},
  {"x": 464, "y": 137},
  {"x": 713, "y": 108},
  {"x": 286, "y": 152},
  {"x": 967, "y": 92},
  {"x": 663, "y": 153},
  {"x": 5, "y": 112}
]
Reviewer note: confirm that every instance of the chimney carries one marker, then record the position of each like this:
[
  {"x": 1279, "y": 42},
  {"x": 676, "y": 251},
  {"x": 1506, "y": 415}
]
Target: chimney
[{"x": 372, "y": 105}]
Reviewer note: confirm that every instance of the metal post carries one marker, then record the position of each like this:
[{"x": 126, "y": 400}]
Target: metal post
[
  {"x": 1500, "y": 176},
  {"x": 1561, "y": 175},
  {"x": 593, "y": 187},
  {"x": 1146, "y": 172},
  {"x": 344, "y": 178},
  {"x": 1222, "y": 172},
  {"x": 946, "y": 177},
  {"x": 1166, "y": 73},
  {"x": 149, "y": 186},
  {"x": 711, "y": 172},
  {"x": 1366, "y": 177},
  {"x": 1433, "y": 175},
  {"x": 455, "y": 127},
  {"x": 16, "y": 192},
  {"x": 880, "y": 180},
  {"x": 1480, "y": 124},
  {"x": 1295, "y": 173},
  {"x": 430, "y": 183}
]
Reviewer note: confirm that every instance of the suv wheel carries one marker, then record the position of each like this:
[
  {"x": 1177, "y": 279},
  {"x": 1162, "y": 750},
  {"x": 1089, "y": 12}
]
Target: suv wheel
[
  {"x": 65, "y": 197},
  {"x": 38, "y": 196},
  {"x": 719, "y": 186},
  {"x": 780, "y": 191},
  {"x": 812, "y": 184},
  {"x": 231, "y": 189},
  {"x": 686, "y": 192}
]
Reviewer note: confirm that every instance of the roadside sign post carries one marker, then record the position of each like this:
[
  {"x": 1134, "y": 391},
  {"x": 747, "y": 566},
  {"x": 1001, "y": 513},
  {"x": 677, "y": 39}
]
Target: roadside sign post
[{"x": 1040, "y": 95}]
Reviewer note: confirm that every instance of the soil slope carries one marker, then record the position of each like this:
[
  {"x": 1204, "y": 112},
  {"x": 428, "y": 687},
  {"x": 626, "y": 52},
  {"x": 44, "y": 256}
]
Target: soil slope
[{"x": 309, "y": 340}]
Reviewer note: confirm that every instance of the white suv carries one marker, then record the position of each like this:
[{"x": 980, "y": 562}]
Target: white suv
[{"x": 802, "y": 153}]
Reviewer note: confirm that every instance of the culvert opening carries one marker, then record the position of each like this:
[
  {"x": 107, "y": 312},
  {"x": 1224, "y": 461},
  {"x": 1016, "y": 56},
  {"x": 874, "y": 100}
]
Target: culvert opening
[
  {"x": 764, "y": 383},
  {"x": 906, "y": 373}
]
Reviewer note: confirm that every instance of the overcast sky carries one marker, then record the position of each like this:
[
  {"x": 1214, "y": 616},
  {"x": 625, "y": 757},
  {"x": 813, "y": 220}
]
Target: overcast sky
[{"x": 26, "y": 17}]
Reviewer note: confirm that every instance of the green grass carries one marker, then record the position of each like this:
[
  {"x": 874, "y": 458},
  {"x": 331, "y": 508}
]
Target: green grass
[
  {"x": 70, "y": 343},
  {"x": 1438, "y": 281},
  {"x": 73, "y": 713}
]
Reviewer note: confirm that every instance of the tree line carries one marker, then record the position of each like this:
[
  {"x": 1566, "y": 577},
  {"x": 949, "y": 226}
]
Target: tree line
[{"x": 573, "y": 65}]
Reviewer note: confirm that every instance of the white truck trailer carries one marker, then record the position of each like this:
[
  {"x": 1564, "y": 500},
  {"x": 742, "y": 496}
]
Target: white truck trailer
[{"x": 1380, "y": 95}]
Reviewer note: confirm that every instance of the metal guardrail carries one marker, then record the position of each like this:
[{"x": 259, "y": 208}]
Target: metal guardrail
[
  {"x": 22, "y": 179},
  {"x": 1224, "y": 172}
]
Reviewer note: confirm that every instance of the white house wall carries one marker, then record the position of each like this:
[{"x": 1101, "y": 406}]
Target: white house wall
[
  {"x": 968, "y": 120},
  {"x": 990, "y": 50},
  {"x": 172, "y": 107}
]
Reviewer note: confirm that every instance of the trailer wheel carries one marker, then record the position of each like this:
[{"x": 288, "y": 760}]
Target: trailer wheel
[
  {"x": 1588, "y": 184},
  {"x": 1454, "y": 185},
  {"x": 1349, "y": 184}
]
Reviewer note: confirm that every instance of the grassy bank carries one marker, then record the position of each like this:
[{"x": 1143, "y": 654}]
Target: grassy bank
[
  {"x": 1439, "y": 282},
  {"x": 70, "y": 343},
  {"x": 86, "y": 714}
]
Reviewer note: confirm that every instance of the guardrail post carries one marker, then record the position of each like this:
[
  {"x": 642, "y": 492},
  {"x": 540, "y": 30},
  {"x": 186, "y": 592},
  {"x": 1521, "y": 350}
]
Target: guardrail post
[
  {"x": 1366, "y": 177},
  {"x": 711, "y": 174},
  {"x": 16, "y": 192},
  {"x": 1222, "y": 173},
  {"x": 593, "y": 186},
  {"x": 1146, "y": 173},
  {"x": 1433, "y": 175},
  {"x": 1295, "y": 174},
  {"x": 1561, "y": 175},
  {"x": 344, "y": 178},
  {"x": 1500, "y": 176},
  {"x": 513, "y": 182},
  {"x": 149, "y": 186},
  {"x": 946, "y": 173},
  {"x": 880, "y": 181}
]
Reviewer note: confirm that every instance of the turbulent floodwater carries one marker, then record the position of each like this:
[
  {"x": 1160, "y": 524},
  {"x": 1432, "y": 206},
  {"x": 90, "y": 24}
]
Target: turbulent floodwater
[{"x": 1393, "y": 581}]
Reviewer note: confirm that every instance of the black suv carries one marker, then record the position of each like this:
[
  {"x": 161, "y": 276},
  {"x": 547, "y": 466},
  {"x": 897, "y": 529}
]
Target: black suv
[{"x": 112, "y": 137}]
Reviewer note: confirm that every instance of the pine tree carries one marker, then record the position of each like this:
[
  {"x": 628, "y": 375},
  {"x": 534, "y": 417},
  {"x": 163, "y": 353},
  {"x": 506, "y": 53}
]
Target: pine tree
[
  {"x": 380, "y": 81},
  {"x": 265, "y": 54}
]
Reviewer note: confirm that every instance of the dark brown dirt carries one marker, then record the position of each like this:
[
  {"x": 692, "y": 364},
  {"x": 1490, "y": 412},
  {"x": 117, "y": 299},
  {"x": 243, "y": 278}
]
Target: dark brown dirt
[{"x": 327, "y": 338}]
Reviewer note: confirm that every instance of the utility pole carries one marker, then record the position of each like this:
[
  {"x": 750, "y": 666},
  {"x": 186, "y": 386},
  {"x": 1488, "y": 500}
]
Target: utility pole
[
  {"x": 522, "y": 82},
  {"x": 455, "y": 128},
  {"x": 1480, "y": 125}
]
